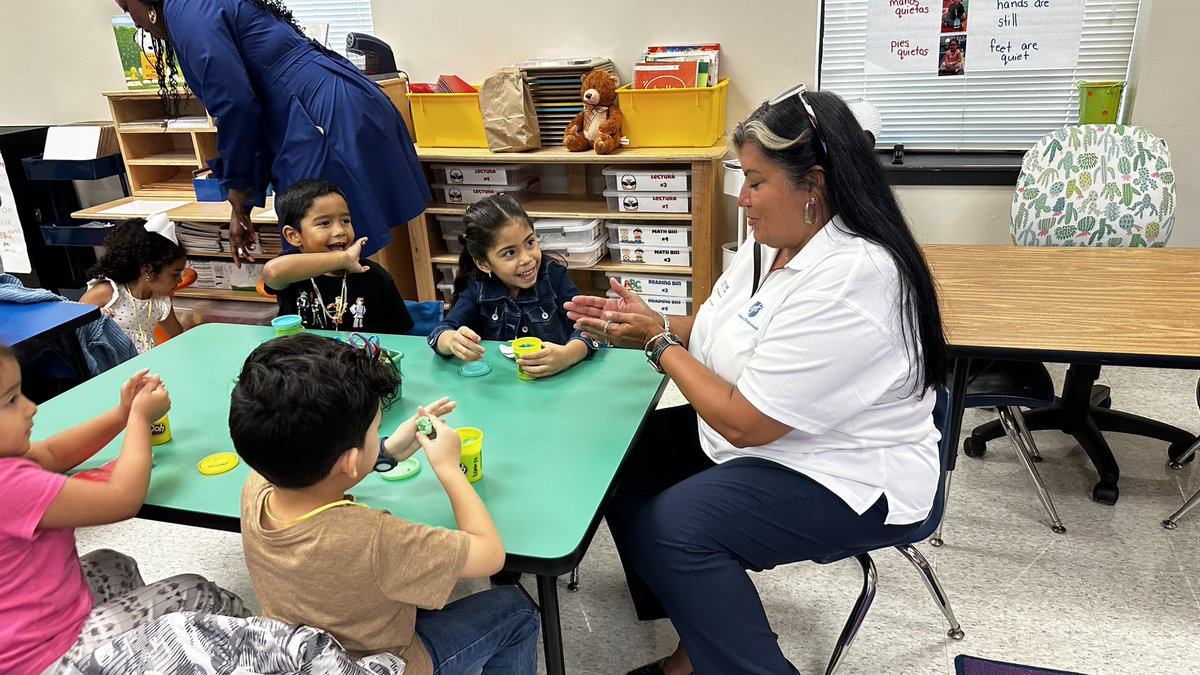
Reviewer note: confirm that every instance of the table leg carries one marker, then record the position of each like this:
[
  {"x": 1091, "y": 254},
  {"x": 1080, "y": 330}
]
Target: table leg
[
  {"x": 958, "y": 398},
  {"x": 551, "y": 625},
  {"x": 78, "y": 361}
]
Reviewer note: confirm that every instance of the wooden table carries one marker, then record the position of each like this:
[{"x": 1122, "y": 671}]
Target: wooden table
[{"x": 1084, "y": 306}]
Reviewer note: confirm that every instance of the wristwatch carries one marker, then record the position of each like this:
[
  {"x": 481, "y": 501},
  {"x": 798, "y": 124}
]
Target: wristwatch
[
  {"x": 659, "y": 344},
  {"x": 384, "y": 462}
]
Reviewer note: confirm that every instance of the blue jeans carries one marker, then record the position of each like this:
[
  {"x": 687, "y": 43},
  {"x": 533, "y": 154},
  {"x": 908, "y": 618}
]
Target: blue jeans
[{"x": 495, "y": 631}]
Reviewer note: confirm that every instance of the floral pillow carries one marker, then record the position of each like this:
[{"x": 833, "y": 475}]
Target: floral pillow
[{"x": 1095, "y": 185}]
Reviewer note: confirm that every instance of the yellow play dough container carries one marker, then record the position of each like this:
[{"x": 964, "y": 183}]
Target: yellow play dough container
[{"x": 471, "y": 460}]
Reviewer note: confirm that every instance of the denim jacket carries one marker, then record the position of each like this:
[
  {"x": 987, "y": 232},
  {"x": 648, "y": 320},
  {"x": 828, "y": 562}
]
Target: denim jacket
[{"x": 487, "y": 307}]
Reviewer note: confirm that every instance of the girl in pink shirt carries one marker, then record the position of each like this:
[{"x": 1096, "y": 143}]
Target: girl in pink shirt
[{"x": 55, "y": 607}]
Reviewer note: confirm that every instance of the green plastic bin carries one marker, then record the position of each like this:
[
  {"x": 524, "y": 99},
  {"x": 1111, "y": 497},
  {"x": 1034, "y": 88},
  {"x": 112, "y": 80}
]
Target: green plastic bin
[{"x": 1100, "y": 102}]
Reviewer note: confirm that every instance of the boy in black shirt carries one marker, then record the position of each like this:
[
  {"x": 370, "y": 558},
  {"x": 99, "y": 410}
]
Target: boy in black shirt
[{"x": 325, "y": 282}]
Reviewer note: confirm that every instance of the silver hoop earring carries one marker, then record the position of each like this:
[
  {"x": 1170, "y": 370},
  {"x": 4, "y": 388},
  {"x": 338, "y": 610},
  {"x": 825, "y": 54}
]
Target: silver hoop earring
[{"x": 808, "y": 210}]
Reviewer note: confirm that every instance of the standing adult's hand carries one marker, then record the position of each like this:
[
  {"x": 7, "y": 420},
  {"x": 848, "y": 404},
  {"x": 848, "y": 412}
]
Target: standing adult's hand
[
  {"x": 625, "y": 321},
  {"x": 242, "y": 235}
]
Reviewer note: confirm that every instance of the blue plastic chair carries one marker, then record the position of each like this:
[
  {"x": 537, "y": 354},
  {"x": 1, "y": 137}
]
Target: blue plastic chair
[
  {"x": 941, "y": 419},
  {"x": 425, "y": 315}
]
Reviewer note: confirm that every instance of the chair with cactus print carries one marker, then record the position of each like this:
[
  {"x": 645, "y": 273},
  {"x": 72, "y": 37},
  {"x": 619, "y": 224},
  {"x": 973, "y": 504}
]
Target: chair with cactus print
[{"x": 1092, "y": 185}]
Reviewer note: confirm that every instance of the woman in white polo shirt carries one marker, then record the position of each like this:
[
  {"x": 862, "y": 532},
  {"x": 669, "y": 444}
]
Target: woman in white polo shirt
[{"x": 808, "y": 372}]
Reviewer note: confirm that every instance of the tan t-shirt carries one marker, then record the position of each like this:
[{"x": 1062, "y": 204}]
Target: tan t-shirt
[{"x": 358, "y": 573}]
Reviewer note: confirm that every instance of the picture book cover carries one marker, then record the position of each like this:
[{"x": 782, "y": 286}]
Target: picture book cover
[
  {"x": 136, "y": 49},
  {"x": 668, "y": 75}
]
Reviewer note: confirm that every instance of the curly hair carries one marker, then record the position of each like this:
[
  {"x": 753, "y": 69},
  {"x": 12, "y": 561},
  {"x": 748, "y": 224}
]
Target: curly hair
[
  {"x": 166, "y": 66},
  {"x": 301, "y": 402},
  {"x": 128, "y": 247}
]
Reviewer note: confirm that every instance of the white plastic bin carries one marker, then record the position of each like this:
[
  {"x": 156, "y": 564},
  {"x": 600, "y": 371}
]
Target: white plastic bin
[
  {"x": 665, "y": 304},
  {"x": 581, "y": 255},
  {"x": 654, "y": 285},
  {"x": 453, "y": 245},
  {"x": 648, "y": 202},
  {"x": 447, "y": 291},
  {"x": 649, "y": 232},
  {"x": 448, "y": 272},
  {"x": 195, "y": 311},
  {"x": 560, "y": 232},
  {"x": 641, "y": 178},
  {"x": 651, "y": 254},
  {"x": 469, "y": 194},
  {"x": 481, "y": 174},
  {"x": 451, "y": 224}
]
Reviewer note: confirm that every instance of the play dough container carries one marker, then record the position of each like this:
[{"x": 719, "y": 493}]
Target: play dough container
[
  {"x": 288, "y": 324},
  {"x": 160, "y": 431},
  {"x": 522, "y": 347},
  {"x": 471, "y": 460}
]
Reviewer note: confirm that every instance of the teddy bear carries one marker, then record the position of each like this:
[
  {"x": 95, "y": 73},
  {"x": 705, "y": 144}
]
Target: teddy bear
[{"x": 599, "y": 125}]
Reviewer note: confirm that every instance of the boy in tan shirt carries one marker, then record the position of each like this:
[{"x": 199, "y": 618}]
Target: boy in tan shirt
[{"x": 305, "y": 415}]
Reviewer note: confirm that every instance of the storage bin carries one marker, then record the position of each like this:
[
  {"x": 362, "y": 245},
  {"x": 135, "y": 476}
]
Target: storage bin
[
  {"x": 451, "y": 225},
  {"x": 648, "y": 202},
  {"x": 480, "y": 174},
  {"x": 469, "y": 194},
  {"x": 664, "y": 304},
  {"x": 448, "y": 272},
  {"x": 447, "y": 120},
  {"x": 649, "y": 232},
  {"x": 580, "y": 255},
  {"x": 209, "y": 190},
  {"x": 640, "y": 178},
  {"x": 650, "y": 254},
  {"x": 195, "y": 311},
  {"x": 667, "y": 118},
  {"x": 554, "y": 233},
  {"x": 447, "y": 291},
  {"x": 645, "y": 284},
  {"x": 453, "y": 245}
]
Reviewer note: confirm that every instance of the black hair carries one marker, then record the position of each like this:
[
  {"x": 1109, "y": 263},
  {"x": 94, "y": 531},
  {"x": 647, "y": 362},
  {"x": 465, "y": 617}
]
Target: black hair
[
  {"x": 7, "y": 354},
  {"x": 301, "y": 402},
  {"x": 857, "y": 191},
  {"x": 292, "y": 204},
  {"x": 166, "y": 66},
  {"x": 483, "y": 219},
  {"x": 128, "y": 247}
]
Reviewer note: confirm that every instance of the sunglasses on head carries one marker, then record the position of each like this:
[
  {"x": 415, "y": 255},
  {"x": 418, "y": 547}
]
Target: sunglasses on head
[{"x": 798, "y": 91}]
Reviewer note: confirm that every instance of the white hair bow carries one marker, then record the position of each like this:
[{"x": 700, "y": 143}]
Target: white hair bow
[{"x": 158, "y": 223}]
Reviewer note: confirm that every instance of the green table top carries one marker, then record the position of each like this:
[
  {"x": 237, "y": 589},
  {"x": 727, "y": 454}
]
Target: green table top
[{"x": 550, "y": 449}]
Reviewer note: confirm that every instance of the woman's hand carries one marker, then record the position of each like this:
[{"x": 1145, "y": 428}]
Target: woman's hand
[
  {"x": 462, "y": 343},
  {"x": 242, "y": 235},
  {"x": 626, "y": 321}
]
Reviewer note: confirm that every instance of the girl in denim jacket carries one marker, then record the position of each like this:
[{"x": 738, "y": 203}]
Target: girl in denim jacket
[{"x": 505, "y": 289}]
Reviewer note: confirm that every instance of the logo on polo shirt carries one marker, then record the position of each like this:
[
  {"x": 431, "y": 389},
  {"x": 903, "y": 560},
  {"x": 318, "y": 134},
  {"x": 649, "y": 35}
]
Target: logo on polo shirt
[
  {"x": 750, "y": 313},
  {"x": 754, "y": 310}
]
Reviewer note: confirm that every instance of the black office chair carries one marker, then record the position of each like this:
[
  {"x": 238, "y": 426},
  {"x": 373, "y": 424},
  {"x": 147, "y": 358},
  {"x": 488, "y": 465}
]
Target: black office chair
[
  {"x": 941, "y": 417},
  {"x": 1008, "y": 386},
  {"x": 1171, "y": 520}
]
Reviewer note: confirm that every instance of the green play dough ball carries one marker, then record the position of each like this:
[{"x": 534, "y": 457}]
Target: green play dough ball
[{"x": 425, "y": 426}]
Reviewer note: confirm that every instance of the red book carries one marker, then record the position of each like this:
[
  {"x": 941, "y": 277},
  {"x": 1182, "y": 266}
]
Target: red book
[
  {"x": 453, "y": 84},
  {"x": 665, "y": 74}
]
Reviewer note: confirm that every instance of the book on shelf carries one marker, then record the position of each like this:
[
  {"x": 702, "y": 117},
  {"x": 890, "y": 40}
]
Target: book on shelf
[
  {"x": 453, "y": 84},
  {"x": 708, "y": 54},
  {"x": 660, "y": 75}
]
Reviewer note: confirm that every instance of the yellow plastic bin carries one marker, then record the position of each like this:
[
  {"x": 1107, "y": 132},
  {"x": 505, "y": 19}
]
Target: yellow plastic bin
[
  {"x": 1100, "y": 102},
  {"x": 447, "y": 120},
  {"x": 691, "y": 117}
]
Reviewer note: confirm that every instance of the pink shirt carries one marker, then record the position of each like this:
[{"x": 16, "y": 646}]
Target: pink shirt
[{"x": 44, "y": 598}]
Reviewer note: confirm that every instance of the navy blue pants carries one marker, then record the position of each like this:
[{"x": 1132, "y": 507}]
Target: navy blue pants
[{"x": 688, "y": 529}]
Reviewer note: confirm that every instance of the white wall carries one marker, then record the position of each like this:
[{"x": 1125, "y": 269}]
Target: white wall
[{"x": 766, "y": 47}]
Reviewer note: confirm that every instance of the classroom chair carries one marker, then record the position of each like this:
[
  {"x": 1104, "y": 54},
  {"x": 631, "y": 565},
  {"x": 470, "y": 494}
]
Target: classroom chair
[
  {"x": 425, "y": 315},
  {"x": 1093, "y": 185},
  {"x": 941, "y": 418},
  {"x": 1171, "y": 520}
]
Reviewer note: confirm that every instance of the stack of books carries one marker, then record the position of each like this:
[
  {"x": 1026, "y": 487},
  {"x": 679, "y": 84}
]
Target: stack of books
[
  {"x": 199, "y": 237},
  {"x": 555, "y": 84},
  {"x": 269, "y": 241},
  {"x": 446, "y": 84},
  {"x": 676, "y": 66}
]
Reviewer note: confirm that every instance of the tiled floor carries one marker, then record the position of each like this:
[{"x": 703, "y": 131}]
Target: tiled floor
[{"x": 1115, "y": 594}]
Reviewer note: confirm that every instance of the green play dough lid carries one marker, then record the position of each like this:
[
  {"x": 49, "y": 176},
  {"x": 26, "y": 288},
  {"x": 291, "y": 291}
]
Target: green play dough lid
[
  {"x": 474, "y": 369},
  {"x": 406, "y": 469}
]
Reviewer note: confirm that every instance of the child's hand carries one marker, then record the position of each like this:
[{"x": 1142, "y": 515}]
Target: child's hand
[
  {"x": 151, "y": 402},
  {"x": 403, "y": 441},
  {"x": 131, "y": 388},
  {"x": 464, "y": 343},
  {"x": 353, "y": 254},
  {"x": 444, "y": 451},
  {"x": 549, "y": 360}
]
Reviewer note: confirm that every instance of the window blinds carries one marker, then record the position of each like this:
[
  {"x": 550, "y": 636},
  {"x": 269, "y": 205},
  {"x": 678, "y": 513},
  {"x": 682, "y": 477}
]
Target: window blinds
[
  {"x": 981, "y": 110},
  {"x": 343, "y": 16}
]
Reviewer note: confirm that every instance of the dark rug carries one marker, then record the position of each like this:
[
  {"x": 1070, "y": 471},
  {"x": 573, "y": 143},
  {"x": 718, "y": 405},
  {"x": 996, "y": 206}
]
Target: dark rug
[{"x": 971, "y": 665}]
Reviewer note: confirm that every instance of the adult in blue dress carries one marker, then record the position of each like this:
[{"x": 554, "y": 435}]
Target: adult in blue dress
[{"x": 287, "y": 109}]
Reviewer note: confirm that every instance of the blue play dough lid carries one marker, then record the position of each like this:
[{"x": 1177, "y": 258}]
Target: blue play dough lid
[
  {"x": 286, "y": 321},
  {"x": 474, "y": 369}
]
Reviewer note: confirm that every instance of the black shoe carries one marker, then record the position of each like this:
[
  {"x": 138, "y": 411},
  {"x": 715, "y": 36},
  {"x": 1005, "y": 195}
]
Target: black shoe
[
  {"x": 506, "y": 578},
  {"x": 655, "y": 668}
]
